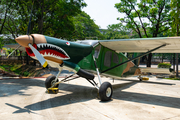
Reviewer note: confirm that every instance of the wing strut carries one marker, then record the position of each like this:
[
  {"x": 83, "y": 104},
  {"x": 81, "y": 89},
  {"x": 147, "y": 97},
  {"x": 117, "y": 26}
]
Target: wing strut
[{"x": 134, "y": 58}]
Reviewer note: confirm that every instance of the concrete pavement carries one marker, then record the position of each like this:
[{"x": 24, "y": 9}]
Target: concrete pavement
[{"x": 25, "y": 99}]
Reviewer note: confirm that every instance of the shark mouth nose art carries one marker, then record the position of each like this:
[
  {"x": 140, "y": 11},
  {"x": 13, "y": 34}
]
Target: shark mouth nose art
[{"x": 49, "y": 51}]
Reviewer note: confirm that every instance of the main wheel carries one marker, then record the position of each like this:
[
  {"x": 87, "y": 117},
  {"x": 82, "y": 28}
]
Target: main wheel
[
  {"x": 49, "y": 82},
  {"x": 105, "y": 91}
]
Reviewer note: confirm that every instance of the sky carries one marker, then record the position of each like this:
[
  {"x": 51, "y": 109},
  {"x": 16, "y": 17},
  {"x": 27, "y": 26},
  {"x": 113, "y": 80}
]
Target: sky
[{"x": 102, "y": 12}]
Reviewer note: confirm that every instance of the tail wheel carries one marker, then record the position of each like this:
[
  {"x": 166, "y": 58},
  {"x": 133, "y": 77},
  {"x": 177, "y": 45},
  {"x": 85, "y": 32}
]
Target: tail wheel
[
  {"x": 50, "y": 81},
  {"x": 105, "y": 91}
]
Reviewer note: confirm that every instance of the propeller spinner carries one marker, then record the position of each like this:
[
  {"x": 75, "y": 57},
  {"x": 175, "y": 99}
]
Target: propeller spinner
[{"x": 27, "y": 41}]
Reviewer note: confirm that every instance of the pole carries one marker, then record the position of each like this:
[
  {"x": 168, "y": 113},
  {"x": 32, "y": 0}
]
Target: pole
[{"x": 176, "y": 64}]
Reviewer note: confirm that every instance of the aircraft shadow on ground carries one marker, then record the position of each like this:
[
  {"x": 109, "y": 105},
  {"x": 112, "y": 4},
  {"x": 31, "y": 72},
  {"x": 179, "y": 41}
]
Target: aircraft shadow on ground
[
  {"x": 145, "y": 98},
  {"x": 83, "y": 93},
  {"x": 151, "y": 82},
  {"x": 15, "y": 86},
  {"x": 75, "y": 94}
]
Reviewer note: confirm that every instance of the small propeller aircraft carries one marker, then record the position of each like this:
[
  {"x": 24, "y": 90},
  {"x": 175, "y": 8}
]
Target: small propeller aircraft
[{"x": 102, "y": 57}]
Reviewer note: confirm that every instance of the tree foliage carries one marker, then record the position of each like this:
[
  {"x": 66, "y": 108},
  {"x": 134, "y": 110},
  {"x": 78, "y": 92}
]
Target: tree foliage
[
  {"x": 4, "y": 10},
  {"x": 54, "y": 17},
  {"x": 175, "y": 14},
  {"x": 117, "y": 31},
  {"x": 49, "y": 17},
  {"x": 1, "y": 42},
  {"x": 151, "y": 16},
  {"x": 85, "y": 27},
  {"x": 148, "y": 18},
  {"x": 57, "y": 18}
]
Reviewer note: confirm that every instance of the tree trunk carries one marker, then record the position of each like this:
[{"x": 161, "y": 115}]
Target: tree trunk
[
  {"x": 27, "y": 59},
  {"x": 41, "y": 19},
  {"x": 34, "y": 62},
  {"x": 148, "y": 62},
  {"x": 21, "y": 57}
]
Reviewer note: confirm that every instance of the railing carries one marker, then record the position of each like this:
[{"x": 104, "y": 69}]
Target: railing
[
  {"x": 16, "y": 60},
  {"x": 12, "y": 58}
]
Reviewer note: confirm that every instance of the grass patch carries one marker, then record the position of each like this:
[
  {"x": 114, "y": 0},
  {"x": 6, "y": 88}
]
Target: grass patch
[
  {"x": 173, "y": 78},
  {"x": 5, "y": 68},
  {"x": 17, "y": 69},
  {"x": 22, "y": 70},
  {"x": 2, "y": 68},
  {"x": 164, "y": 65}
]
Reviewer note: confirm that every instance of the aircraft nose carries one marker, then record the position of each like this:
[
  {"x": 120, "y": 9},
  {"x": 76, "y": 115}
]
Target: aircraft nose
[{"x": 24, "y": 40}]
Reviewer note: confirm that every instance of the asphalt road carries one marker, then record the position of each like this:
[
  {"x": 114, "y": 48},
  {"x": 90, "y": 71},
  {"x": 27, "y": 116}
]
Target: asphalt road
[{"x": 26, "y": 99}]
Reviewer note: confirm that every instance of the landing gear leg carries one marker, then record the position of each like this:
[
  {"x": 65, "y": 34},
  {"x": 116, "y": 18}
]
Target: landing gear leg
[
  {"x": 140, "y": 77},
  {"x": 105, "y": 89}
]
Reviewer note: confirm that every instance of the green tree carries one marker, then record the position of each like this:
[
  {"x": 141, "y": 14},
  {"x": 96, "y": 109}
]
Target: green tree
[
  {"x": 148, "y": 18},
  {"x": 117, "y": 31},
  {"x": 52, "y": 17},
  {"x": 4, "y": 10},
  {"x": 85, "y": 27},
  {"x": 1, "y": 42},
  {"x": 175, "y": 14}
]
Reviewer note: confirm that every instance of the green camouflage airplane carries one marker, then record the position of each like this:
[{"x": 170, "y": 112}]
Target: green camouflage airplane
[{"x": 102, "y": 57}]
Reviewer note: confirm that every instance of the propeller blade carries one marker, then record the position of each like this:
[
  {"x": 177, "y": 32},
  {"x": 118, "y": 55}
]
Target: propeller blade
[
  {"x": 38, "y": 56},
  {"x": 13, "y": 51}
]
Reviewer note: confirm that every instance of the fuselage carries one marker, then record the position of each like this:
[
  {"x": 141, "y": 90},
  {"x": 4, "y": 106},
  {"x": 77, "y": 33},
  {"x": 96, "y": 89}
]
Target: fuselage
[
  {"x": 107, "y": 58},
  {"x": 78, "y": 55}
]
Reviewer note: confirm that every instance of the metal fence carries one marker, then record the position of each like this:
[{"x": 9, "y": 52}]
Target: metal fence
[
  {"x": 16, "y": 60},
  {"x": 22, "y": 59}
]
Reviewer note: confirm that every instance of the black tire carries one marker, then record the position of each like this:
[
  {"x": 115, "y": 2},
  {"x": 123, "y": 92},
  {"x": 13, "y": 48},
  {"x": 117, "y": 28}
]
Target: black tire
[
  {"x": 105, "y": 91},
  {"x": 49, "y": 80}
]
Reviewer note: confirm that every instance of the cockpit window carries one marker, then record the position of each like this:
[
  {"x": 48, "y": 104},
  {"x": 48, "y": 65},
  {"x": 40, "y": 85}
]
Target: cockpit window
[
  {"x": 97, "y": 51},
  {"x": 107, "y": 59},
  {"x": 115, "y": 58}
]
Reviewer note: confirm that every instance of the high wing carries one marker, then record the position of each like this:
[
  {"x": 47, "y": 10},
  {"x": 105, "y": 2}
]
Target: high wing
[{"x": 172, "y": 44}]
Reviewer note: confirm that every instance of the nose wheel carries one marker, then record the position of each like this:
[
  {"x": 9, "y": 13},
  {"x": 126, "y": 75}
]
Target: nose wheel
[
  {"x": 50, "y": 81},
  {"x": 105, "y": 91}
]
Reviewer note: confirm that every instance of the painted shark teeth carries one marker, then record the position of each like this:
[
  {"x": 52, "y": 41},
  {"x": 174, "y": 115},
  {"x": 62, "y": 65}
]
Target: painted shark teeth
[{"x": 46, "y": 46}]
